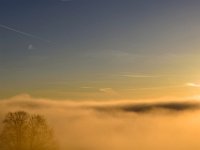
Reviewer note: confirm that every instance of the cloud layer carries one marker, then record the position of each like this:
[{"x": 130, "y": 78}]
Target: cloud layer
[{"x": 116, "y": 125}]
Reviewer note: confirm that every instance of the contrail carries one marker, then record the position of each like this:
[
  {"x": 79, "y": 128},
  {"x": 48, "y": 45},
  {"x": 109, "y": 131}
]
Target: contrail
[{"x": 23, "y": 33}]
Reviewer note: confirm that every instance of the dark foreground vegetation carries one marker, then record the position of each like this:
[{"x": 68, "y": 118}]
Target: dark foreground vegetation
[{"x": 24, "y": 131}]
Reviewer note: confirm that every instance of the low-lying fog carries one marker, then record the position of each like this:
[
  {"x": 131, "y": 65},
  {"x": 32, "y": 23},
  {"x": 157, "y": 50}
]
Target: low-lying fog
[{"x": 116, "y": 125}]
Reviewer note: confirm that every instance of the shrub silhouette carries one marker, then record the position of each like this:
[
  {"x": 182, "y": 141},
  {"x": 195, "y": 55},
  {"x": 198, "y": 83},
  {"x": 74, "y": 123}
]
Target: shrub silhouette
[{"x": 23, "y": 131}]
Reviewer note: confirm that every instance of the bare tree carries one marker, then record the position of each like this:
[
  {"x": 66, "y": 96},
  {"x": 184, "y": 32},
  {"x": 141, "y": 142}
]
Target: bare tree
[{"x": 22, "y": 131}]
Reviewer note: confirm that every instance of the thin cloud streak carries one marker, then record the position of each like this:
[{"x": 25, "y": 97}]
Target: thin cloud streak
[
  {"x": 87, "y": 87},
  {"x": 66, "y": 0},
  {"x": 23, "y": 33},
  {"x": 108, "y": 91},
  {"x": 156, "y": 88},
  {"x": 139, "y": 76}
]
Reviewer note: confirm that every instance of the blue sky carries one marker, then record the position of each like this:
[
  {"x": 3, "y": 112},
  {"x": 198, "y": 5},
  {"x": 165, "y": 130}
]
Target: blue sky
[{"x": 98, "y": 48}]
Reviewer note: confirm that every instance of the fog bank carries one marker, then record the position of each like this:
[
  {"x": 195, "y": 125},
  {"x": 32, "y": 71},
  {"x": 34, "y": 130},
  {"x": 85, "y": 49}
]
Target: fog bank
[{"x": 116, "y": 125}]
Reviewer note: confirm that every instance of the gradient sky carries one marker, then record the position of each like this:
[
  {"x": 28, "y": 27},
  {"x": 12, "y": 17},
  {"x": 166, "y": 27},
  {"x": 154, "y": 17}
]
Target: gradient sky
[{"x": 100, "y": 49}]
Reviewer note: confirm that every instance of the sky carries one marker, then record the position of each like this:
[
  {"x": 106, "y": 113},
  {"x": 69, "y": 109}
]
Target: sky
[{"x": 100, "y": 49}]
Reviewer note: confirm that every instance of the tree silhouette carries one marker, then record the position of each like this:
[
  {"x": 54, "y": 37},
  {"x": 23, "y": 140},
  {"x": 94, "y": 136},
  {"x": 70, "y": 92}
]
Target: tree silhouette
[{"x": 22, "y": 131}]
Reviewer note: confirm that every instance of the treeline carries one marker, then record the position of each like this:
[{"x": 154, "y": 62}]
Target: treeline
[{"x": 24, "y": 131}]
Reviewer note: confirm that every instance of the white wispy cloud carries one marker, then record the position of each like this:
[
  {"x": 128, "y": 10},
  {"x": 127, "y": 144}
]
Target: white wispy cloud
[
  {"x": 108, "y": 91},
  {"x": 193, "y": 85}
]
